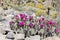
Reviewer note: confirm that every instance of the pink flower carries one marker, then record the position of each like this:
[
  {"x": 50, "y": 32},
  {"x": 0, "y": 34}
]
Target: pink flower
[
  {"x": 30, "y": 17},
  {"x": 41, "y": 19},
  {"x": 21, "y": 23},
  {"x": 22, "y": 16},
  {"x": 37, "y": 22},
  {"x": 41, "y": 25},
  {"x": 16, "y": 17},
  {"x": 56, "y": 30},
  {"x": 49, "y": 22},
  {"x": 11, "y": 22},
  {"x": 25, "y": 19},
  {"x": 48, "y": 28},
  {"x": 54, "y": 24},
  {"x": 31, "y": 24}
]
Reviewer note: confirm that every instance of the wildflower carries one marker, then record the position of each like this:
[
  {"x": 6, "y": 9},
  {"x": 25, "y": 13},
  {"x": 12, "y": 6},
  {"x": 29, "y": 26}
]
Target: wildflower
[
  {"x": 31, "y": 24},
  {"x": 16, "y": 17},
  {"x": 22, "y": 16},
  {"x": 56, "y": 30},
  {"x": 41, "y": 25},
  {"x": 41, "y": 19},
  {"x": 11, "y": 22},
  {"x": 21, "y": 23},
  {"x": 30, "y": 17}
]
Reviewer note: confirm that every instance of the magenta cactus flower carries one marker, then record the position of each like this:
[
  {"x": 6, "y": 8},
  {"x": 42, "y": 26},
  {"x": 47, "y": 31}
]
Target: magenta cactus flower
[
  {"x": 48, "y": 28},
  {"x": 54, "y": 24},
  {"x": 37, "y": 21},
  {"x": 25, "y": 19},
  {"x": 16, "y": 17},
  {"x": 30, "y": 17},
  {"x": 49, "y": 22},
  {"x": 41, "y": 19},
  {"x": 11, "y": 22},
  {"x": 41, "y": 25},
  {"x": 22, "y": 16},
  {"x": 21, "y": 23},
  {"x": 56, "y": 30},
  {"x": 31, "y": 24}
]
